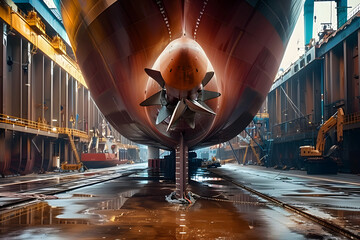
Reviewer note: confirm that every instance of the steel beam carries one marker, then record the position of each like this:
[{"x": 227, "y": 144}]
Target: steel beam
[
  {"x": 3, "y": 67},
  {"x": 345, "y": 75},
  {"x": 358, "y": 49},
  {"x": 308, "y": 20},
  {"x": 341, "y": 9},
  {"x": 51, "y": 104},
  {"x": 5, "y": 153},
  {"x": 19, "y": 24}
]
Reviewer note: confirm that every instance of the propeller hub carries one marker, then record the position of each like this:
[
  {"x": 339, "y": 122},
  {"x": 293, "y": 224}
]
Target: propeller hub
[{"x": 184, "y": 67}]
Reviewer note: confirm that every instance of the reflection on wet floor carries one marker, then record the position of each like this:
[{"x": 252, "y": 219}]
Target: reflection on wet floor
[{"x": 134, "y": 207}]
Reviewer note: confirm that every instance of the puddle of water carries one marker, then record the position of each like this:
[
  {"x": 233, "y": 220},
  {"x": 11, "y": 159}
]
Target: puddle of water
[
  {"x": 127, "y": 209},
  {"x": 316, "y": 195}
]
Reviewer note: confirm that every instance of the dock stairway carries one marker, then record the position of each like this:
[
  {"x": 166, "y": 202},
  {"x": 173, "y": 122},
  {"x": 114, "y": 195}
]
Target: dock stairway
[{"x": 78, "y": 165}]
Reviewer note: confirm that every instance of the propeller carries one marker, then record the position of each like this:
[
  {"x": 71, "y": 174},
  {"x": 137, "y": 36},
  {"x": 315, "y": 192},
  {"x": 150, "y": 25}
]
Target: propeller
[
  {"x": 153, "y": 100},
  {"x": 205, "y": 95},
  {"x": 198, "y": 107},
  {"x": 156, "y": 75},
  {"x": 207, "y": 78},
  {"x": 185, "y": 108},
  {"x": 163, "y": 114},
  {"x": 179, "y": 110}
]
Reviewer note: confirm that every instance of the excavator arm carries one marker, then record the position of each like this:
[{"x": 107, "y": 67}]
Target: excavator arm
[
  {"x": 335, "y": 120},
  {"x": 325, "y": 128}
]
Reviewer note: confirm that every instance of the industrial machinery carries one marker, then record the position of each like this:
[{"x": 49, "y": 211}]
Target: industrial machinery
[
  {"x": 211, "y": 163},
  {"x": 316, "y": 161},
  {"x": 78, "y": 166}
]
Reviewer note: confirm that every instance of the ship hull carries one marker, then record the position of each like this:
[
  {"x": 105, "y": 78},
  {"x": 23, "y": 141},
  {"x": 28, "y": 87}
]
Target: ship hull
[
  {"x": 115, "y": 40},
  {"x": 101, "y": 160}
]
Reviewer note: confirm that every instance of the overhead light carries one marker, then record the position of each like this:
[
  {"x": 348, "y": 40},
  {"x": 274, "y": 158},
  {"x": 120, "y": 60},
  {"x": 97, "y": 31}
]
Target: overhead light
[
  {"x": 54, "y": 120},
  {"x": 54, "y": 129}
]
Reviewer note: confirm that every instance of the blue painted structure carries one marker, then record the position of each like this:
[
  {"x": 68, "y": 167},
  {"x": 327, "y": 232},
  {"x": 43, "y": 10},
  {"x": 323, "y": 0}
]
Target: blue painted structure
[
  {"x": 308, "y": 20},
  {"x": 48, "y": 16},
  {"x": 341, "y": 6}
]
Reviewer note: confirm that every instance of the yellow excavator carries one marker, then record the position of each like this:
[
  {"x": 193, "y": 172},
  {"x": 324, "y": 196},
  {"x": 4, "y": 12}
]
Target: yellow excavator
[
  {"x": 316, "y": 161},
  {"x": 78, "y": 166}
]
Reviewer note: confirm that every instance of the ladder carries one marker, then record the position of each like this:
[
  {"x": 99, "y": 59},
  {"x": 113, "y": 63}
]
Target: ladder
[
  {"x": 73, "y": 147},
  {"x": 78, "y": 165}
]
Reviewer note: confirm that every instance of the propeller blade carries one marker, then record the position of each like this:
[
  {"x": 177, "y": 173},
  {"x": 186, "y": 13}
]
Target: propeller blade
[
  {"x": 152, "y": 100},
  {"x": 199, "y": 107},
  {"x": 156, "y": 75},
  {"x": 207, "y": 95},
  {"x": 207, "y": 78},
  {"x": 179, "y": 110},
  {"x": 205, "y": 105},
  {"x": 163, "y": 114}
]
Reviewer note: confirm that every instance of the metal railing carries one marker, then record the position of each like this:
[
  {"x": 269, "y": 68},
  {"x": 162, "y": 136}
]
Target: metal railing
[
  {"x": 294, "y": 126},
  {"x": 352, "y": 118},
  {"x": 302, "y": 125},
  {"x": 41, "y": 126}
]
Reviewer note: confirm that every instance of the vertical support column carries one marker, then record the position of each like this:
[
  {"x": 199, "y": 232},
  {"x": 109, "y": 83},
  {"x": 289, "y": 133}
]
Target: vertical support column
[
  {"x": 327, "y": 84},
  {"x": 66, "y": 152},
  {"x": 26, "y": 82},
  {"x": 278, "y": 105},
  {"x": 322, "y": 89},
  {"x": 3, "y": 66},
  {"x": 308, "y": 20},
  {"x": 308, "y": 93},
  {"x": 20, "y": 152},
  {"x": 181, "y": 171},
  {"x": 56, "y": 97},
  {"x": 358, "y": 48},
  {"x": 76, "y": 99},
  {"x": 313, "y": 112},
  {"x": 13, "y": 92},
  {"x": 298, "y": 92},
  {"x": 30, "y": 155},
  {"x": 80, "y": 108},
  {"x": 42, "y": 142},
  {"x": 21, "y": 79},
  {"x": 63, "y": 98},
  {"x": 345, "y": 77},
  {"x": 335, "y": 85},
  {"x": 89, "y": 126},
  {"x": 42, "y": 79},
  {"x": 5, "y": 153},
  {"x": 341, "y": 6},
  {"x": 51, "y": 155},
  {"x": 66, "y": 100},
  {"x": 51, "y": 104}
]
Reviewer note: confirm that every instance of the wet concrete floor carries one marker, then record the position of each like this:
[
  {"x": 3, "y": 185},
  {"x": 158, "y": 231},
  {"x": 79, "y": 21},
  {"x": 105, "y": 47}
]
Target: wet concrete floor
[{"x": 134, "y": 207}]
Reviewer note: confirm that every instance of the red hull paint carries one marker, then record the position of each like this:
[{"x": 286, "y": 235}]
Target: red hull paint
[
  {"x": 101, "y": 160},
  {"x": 115, "y": 40}
]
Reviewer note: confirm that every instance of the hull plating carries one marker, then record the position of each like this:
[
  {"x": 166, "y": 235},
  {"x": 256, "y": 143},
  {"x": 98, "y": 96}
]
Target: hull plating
[{"x": 115, "y": 40}]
